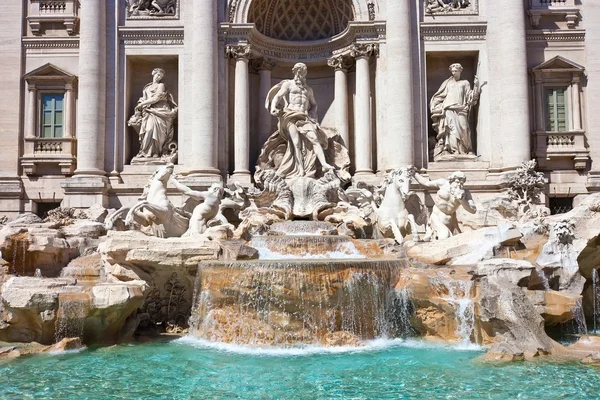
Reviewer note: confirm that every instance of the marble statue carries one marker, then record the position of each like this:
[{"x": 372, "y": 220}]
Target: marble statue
[
  {"x": 154, "y": 209},
  {"x": 207, "y": 208},
  {"x": 393, "y": 214},
  {"x": 151, "y": 7},
  {"x": 450, "y": 109},
  {"x": 392, "y": 207},
  {"x": 433, "y": 6},
  {"x": 153, "y": 120},
  {"x": 300, "y": 147},
  {"x": 450, "y": 196}
]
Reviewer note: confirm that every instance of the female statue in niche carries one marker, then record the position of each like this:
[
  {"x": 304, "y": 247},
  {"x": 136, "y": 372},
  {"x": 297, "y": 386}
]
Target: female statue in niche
[
  {"x": 153, "y": 120},
  {"x": 450, "y": 108}
]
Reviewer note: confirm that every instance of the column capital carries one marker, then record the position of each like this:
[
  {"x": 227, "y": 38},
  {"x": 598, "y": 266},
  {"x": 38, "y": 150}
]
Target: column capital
[
  {"x": 68, "y": 87},
  {"x": 31, "y": 87},
  {"x": 366, "y": 50},
  {"x": 263, "y": 63},
  {"x": 239, "y": 51},
  {"x": 339, "y": 62},
  {"x": 575, "y": 79}
]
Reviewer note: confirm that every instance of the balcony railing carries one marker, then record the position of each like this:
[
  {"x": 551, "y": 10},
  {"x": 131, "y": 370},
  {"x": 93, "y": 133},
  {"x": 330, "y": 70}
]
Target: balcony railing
[
  {"x": 62, "y": 11},
  {"x": 39, "y": 152},
  {"x": 566, "y": 8},
  {"x": 551, "y": 146}
]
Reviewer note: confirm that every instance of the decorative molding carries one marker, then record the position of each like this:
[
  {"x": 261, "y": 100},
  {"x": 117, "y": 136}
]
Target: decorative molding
[
  {"x": 357, "y": 32},
  {"x": 51, "y": 43},
  {"x": 556, "y": 35},
  {"x": 239, "y": 51},
  {"x": 260, "y": 64},
  {"x": 434, "y": 32},
  {"x": 433, "y": 9},
  {"x": 364, "y": 50},
  {"x": 340, "y": 62},
  {"x": 371, "y": 10},
  {"x": 151, "y": 36}
]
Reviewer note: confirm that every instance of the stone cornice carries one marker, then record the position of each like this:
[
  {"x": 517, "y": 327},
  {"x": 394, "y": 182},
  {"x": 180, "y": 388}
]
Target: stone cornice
[
  {"x": 443, "y": 32},
  {"x": 51, "y": 43},
  {"x": 151, "y": 36},
  {"x": 310, "y": 51},
  {"x": 570, "y": 35}
]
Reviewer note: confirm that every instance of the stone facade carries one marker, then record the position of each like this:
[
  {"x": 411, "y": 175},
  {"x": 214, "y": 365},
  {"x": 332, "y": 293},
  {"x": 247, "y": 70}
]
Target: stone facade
[{"x": 73, "y": 72}]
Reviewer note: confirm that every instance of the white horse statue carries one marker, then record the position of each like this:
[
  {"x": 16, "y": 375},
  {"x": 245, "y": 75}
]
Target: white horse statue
[{"x": 393, "y": 208}]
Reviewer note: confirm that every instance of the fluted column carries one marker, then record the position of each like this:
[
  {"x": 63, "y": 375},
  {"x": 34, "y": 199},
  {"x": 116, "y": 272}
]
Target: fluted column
[
  {"x": 241, "y": 111},
  {"x": 204, "y": 115},
  {"x": 91, "y": 112},
  {"x": 363, "y": 141},
  {"x": 576, "y": 112},
  {"x": 264, "y": 67},
  {"x": 507, "y": 39},
  {"x": 340, "y": 64},
  {"x": 68, "y": 111},
  {"x": 31, "y": 117},
  {"x": 399, "y": 131}
]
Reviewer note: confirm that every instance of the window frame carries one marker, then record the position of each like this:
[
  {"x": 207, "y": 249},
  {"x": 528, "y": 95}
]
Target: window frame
[
  {"x": 567, "y": 106},
  {"x": 41, "y": 125}
]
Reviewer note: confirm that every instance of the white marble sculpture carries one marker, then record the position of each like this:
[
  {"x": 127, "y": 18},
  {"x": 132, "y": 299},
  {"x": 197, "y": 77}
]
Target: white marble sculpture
[
  {"x": 300, "y": 147},
  {"x": 433, "y": 6},
  {"x": 151, "y": 7},
  {"x": 207, "y": 208},
  {"x": 450, "y": 108},
  {"x": 392, "y": 207},
  {"x": 153, "y": 120},
  {"x": 154, "y": 210},
  {"x": 450, "y": 195}
]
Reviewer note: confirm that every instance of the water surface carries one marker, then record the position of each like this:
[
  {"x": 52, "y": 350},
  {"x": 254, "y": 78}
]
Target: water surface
[{"x": 193, "y": 369}]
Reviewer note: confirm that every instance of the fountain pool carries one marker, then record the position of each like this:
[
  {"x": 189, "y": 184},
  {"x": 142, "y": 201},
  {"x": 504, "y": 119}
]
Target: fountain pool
[{"x": 194, "y": 369}]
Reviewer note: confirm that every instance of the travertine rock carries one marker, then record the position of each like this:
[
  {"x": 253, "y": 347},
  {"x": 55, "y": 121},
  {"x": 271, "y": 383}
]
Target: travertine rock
[
  {"x": 505, "y": 313},
  {"x": 33, "y": 306},
  {"x": 464, "y": 249},
  {"x": 503, "y": 351},
  {"x": 516, "y": 272}
]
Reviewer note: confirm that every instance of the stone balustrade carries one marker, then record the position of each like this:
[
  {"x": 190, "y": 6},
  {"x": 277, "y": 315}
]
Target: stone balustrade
[
  {"x": 62, "y": 11},
  {"x": 539, "y": 8},
  {"x": 550, "y": 146},
  {"x": 40, "y": 152}
]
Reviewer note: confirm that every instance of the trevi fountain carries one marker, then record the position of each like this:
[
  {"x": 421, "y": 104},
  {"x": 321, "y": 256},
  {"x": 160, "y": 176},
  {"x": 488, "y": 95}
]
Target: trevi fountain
[{"x": 310, "y": 278}]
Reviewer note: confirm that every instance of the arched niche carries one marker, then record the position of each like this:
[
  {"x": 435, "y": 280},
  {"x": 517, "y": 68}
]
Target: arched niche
[{"x": 238, "y": 10}]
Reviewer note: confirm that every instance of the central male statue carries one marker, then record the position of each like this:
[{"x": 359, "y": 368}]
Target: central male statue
[{"x": 293, "y": 102}]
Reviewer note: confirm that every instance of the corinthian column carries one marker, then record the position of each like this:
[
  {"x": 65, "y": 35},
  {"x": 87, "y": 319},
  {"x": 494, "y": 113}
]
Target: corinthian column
[
  {"x": 363, "y": 141},
  {"x": 264, "y": 67},
  {"x": 204, "y": 39},
  {"x": 91, "y": 107},
  {"x": 341, "y": 64},
  {"x": 241, "y": 110},
  {"x": 399, "y": 134},
  {"x": 31, "y": 118}
]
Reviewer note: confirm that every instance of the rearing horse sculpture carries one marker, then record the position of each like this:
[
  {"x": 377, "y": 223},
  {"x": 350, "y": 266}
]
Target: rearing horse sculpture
[
  {"x": 154, "y": 209},
  {"x": 392, "y": 207}
]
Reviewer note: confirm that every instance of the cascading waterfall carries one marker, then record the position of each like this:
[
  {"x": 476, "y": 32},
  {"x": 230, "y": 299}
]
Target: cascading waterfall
[
  {"x": 404, "y": 310},
  {"x": 289, "y": 302},
  {"x": 459, "y": 295},
  {"x": 596, "y": 300},
  {"x": 72, "y": 311},
  {"x": 305, "y": 247},
  {"x": 579, "y": 318}
]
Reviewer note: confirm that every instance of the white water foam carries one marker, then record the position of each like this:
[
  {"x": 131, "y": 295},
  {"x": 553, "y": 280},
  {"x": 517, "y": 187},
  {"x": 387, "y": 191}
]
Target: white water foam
[
  {"x": 308, "y": 350},
  {"x": 345, "y": 250}
]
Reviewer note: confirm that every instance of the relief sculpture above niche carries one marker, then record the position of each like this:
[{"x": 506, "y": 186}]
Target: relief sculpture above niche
[
  {"x": 152, "y": 8},
  {"x": 449, "y": 7}
]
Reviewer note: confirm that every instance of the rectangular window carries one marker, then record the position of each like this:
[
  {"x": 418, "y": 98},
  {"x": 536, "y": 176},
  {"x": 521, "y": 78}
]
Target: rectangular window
[
  {"x": 556, "y": 110},
  {"x": 52, "y": 116}
]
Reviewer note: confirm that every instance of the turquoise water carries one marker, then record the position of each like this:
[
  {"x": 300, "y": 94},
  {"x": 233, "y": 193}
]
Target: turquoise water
[{"x": 188, "y": 369}]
